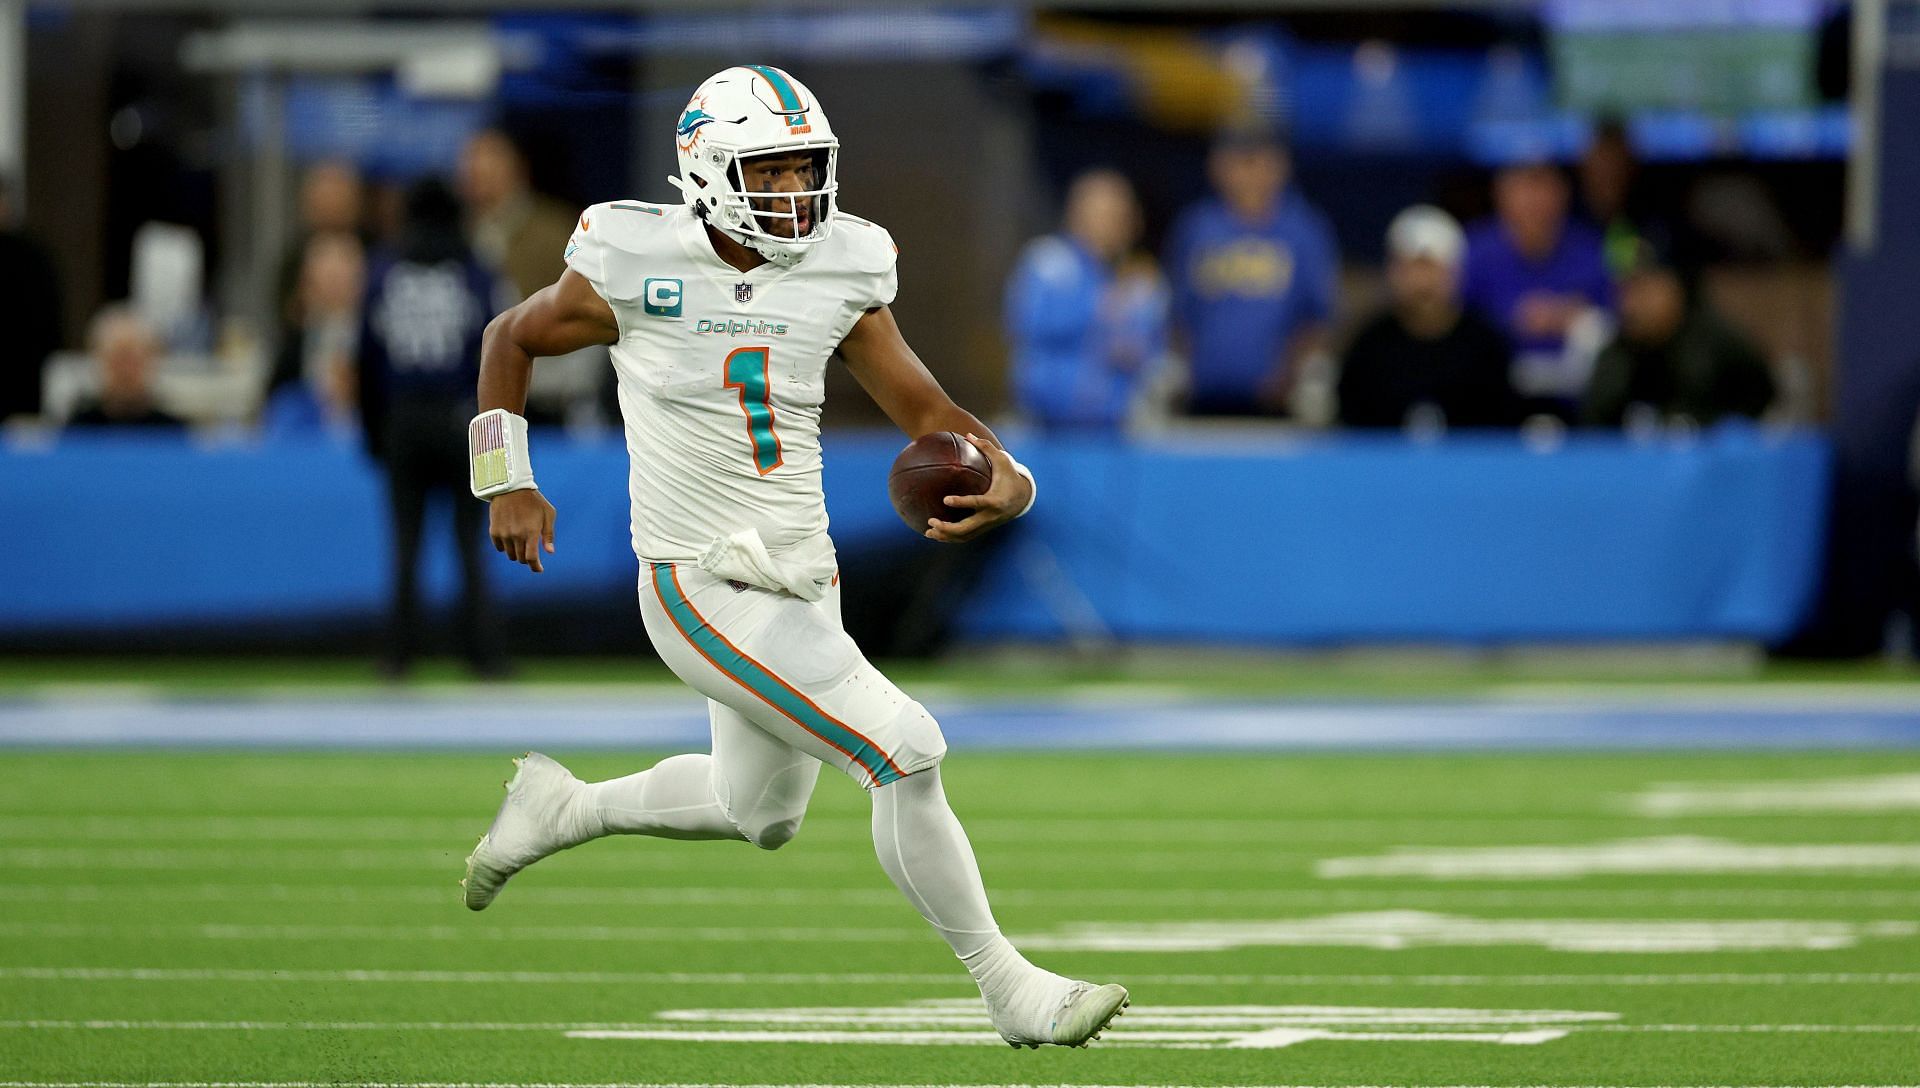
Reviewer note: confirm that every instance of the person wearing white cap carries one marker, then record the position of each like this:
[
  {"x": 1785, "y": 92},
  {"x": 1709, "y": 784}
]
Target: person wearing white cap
[{"x": 1423, "y": 359}]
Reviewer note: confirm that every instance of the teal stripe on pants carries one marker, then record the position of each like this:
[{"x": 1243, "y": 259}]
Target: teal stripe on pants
[{"x": 750, "y": 675}]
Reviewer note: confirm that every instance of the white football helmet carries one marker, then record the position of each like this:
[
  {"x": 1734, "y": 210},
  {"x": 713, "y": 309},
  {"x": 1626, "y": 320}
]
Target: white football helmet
[{"x": 741, "y": 113}]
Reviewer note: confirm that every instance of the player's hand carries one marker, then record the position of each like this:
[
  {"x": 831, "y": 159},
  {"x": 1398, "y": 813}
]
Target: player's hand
[
  {"x": 1001, "y": 502},
  {"x": 521, "y": 524}
]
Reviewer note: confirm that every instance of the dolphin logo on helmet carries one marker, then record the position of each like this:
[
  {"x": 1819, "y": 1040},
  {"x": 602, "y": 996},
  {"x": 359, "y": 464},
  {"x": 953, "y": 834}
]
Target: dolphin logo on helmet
[
  {"x": 745, "y": 112},
  {"x": 690, "y": 123}
]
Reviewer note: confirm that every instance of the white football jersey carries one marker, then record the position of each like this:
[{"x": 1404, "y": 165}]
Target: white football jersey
[{"x": 722, "y": 373}]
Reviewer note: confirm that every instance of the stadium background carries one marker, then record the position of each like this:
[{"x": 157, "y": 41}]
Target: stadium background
[{"x": 1248, "y": 672}]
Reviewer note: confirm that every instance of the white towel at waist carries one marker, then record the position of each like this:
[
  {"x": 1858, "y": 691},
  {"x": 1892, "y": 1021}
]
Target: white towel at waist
[{"x": 804, "y": 569}]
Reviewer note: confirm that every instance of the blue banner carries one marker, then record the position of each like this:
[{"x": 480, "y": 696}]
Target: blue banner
[{"x": 1212, "y": 539}]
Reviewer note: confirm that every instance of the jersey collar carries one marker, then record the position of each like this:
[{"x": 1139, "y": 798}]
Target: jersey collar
[{"x": 693, "y": 238}]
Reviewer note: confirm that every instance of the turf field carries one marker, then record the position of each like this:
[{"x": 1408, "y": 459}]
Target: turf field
[{"x": 1283, "y": 919}]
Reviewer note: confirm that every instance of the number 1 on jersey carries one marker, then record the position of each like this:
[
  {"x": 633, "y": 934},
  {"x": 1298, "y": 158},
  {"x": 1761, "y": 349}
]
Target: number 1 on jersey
[{"x": 747, "y": 371}]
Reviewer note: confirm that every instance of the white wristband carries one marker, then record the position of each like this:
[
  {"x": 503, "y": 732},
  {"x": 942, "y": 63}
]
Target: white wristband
[
  {"x": 1033, "y": 489},
  {"x": 497, "y": 454}
]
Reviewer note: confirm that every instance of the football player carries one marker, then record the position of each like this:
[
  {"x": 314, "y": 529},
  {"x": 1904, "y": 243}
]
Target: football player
[{"x": 721, "y": 313}]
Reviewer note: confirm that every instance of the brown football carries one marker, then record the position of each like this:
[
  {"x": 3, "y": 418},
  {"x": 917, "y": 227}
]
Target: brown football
[{"x": 932, "y": 467}]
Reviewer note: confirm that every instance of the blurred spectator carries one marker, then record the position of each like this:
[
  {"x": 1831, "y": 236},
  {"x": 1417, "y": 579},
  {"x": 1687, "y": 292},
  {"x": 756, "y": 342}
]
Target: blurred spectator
[
  {"x": 1732, "y": 217},
  {"x": 32, "y": 291},
  {"x": 1535, "y": 276},
  {"x": 518, "y": 232},
  {"x": 319, "y": 351},
  {"x": 1675, "y": 359},
  {"x": 425, "y": 309},
  {"x": 1423, "y": 360},
  {"x": 386, "y": 214},
  {"x": 332, "y": 201},
  {"x": 1254, "y": 276},
  {"x": 1609, "y": 195},
  {"x": 1086, "y": 312},
  {"x": 332, "y": 198},
  {"x": 126, "y": 350}
]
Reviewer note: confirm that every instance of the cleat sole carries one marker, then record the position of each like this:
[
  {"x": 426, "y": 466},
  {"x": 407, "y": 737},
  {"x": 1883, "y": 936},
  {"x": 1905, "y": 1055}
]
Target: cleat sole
[
  {"x": 1093, "y": 1031},
  {"x": 1120, "y": 1000}
]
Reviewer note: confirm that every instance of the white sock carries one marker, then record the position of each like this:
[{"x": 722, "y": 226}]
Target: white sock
[
  {"x": 926, "y": 853},
  {"x": 673, "y": 799}
]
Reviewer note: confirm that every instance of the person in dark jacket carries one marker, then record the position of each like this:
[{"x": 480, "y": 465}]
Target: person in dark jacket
[
  {"x": 419, "y": 357},
  {"x": 1675, "y": 358},
  {"x": 32, "y": 291},
  {"x": 319, "y": 348},
  {"x": 1423, "y": 359}
]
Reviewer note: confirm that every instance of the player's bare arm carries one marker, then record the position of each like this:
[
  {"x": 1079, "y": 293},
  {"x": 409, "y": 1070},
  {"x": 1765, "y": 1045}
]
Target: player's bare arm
[
  {"x": 563, "y": 317},
  {"x": 901, "y": 385}
]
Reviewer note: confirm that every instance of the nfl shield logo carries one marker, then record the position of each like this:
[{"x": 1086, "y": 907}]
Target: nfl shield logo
[{"x": 743, "y": 293}]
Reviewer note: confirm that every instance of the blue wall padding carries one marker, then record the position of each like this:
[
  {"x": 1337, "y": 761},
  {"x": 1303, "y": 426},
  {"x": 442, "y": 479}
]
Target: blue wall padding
[{"x": 1222, "y": 539}]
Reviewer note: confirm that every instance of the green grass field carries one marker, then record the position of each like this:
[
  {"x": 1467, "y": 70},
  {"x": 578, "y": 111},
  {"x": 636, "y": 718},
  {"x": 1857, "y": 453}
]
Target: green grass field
[{"x": 169, "y": 917}]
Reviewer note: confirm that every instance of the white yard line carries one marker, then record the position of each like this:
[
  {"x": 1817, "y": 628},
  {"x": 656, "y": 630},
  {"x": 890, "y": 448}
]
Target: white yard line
[
  {"x": 218, "y": 931},
  {"x": 309, "y": 1025},
  {"x": 1380, "y": 929},
  {"x": 492, "y": 978},
  {"x": 660, "y": 1084},
  {"x": 427, "y": 857},
  {"x": 325, "y": 829},
  {"x": 411, "y": 859},
  {"x": 59, "y": 830},
  {"x": 1273, "y": 1039},
  {"x": 649, "y": 1029},
  {"x": 742, "y": 978},
  {"x": 1399, "y": 929},
  {"x": 620, "y": 1084},
  {"x": 446, "y": 892},
  {"x": 1673, "y": 854},
  {"x": 1763, "y": 1029},
  {"x": 1870, "y": 794}
]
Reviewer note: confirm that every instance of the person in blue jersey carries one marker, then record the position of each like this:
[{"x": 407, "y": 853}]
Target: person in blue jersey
[
  {"x": 419, "y": 350},
  {"x": 1536, "y": 275},
  {"x": 1086, "y": 313},
  {"x": 1255, "y": 278}
]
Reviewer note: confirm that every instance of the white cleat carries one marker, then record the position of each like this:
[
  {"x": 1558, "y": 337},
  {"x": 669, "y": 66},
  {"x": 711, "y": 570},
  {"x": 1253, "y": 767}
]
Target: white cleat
[
  {"x": 531, "y": 824},
  {"x": 1082, "y": 1015}
]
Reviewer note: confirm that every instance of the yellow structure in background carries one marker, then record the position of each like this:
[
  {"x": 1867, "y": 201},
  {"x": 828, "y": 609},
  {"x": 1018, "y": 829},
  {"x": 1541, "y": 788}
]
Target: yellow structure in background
[{"x": 1181, "y": 83}]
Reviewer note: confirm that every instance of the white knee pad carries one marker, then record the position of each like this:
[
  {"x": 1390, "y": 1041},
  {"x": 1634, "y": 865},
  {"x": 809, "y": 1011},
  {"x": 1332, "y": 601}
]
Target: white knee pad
[
  {"x": 771, "y": 834},
  {"x": 914, "y": 739},
  {"x": 772, "y": 819}
]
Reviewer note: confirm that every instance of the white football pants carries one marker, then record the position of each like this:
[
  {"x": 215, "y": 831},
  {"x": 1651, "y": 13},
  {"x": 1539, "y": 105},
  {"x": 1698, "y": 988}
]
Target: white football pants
[{"x": 787, "y": 690}]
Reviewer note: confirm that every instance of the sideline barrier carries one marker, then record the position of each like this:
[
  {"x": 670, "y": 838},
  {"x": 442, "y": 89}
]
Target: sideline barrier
[
  {"x": 1214, "y": 538},
  {"x": 1365, "y": 538}
]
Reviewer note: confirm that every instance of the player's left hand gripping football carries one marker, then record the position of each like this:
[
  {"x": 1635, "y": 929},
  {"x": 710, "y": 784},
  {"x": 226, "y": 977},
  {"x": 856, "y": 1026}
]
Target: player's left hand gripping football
[
  {"x": 521, "y": 525},
  {"x": 1001, "y": 502}
]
